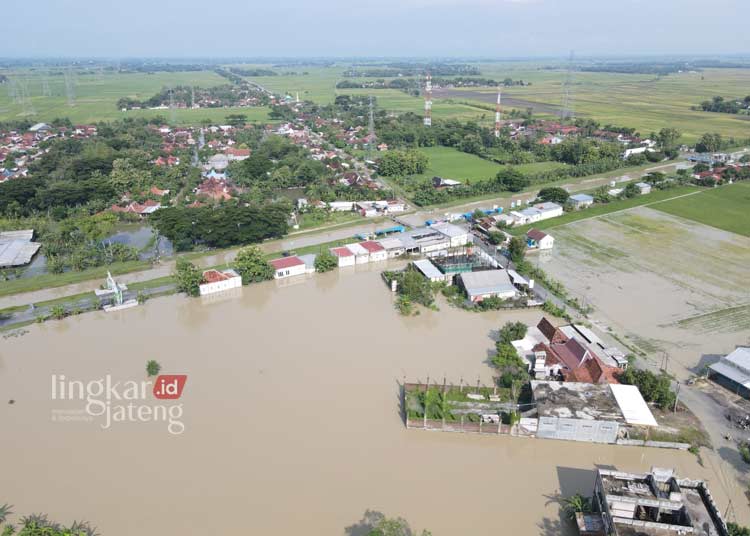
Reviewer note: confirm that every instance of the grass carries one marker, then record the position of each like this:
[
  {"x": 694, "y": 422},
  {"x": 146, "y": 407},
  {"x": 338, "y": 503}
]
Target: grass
[
  {"x": 451, "y": 163},
  {"x": 31, "y": 284},
  {"x": 600, "y": 209},
  {"x": 96, "y": 96},
  {"x": 727, "y": 208},
  {"x": 641, "y": 101}
]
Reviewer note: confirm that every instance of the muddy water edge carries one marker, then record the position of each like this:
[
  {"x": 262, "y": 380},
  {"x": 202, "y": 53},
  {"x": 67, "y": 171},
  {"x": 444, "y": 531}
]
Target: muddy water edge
[{"x": 292, "y": 422}]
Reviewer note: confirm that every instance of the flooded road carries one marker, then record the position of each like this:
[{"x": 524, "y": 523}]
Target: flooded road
[{"x": 291, "y": 418}]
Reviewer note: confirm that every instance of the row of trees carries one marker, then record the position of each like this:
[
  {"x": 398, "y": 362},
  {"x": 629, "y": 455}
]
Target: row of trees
[
  {"x": 726, "y": 106},
  {"x": 222, "y": 226}
]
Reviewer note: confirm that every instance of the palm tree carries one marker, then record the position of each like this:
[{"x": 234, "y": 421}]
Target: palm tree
[
  {"x": 5, "y": 512},
  {"x": 577, "y": 504}
]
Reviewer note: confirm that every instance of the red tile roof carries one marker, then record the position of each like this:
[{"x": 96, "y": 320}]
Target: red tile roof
[
  {"x": 536, "y": 234},
  {"x": 214, "y": 276},
  {"x": 342, "y": 252},
  {"x": 286, "y": 262},
  {"x": 372, "y": 247}
]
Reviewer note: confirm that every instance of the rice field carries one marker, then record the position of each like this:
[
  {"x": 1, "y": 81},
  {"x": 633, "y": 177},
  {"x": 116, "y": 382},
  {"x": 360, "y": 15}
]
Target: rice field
[
  {"x": 96, "y": 96},
  {"x": 667, "y": 284},
  {"x": 726, "y": 208}
]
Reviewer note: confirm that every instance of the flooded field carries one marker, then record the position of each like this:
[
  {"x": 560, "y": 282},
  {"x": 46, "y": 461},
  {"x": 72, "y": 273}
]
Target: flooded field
[
  {"x": 292, "y": 423},
  {"x": 673, "y": 286}
]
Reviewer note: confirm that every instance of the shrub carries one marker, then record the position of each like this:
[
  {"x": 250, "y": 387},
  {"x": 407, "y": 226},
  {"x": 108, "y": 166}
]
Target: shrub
[{"x": 153, "y": 368}]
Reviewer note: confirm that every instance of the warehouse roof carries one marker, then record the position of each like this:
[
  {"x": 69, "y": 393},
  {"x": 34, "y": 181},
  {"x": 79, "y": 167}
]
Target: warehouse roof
[
  {"x": 428, "y": 269},
  {"x": 487, "y": 282},
  {"x": 16, "y": 248}
]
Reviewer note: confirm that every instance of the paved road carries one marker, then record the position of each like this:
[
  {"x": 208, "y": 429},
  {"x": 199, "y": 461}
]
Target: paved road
[{"x": 419, "y": 217}]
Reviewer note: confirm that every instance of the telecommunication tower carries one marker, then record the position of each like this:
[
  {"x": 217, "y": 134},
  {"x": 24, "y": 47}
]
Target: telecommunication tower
[
  {"x": 497, "y": 111},
  {"x": 428, "y": 100}
]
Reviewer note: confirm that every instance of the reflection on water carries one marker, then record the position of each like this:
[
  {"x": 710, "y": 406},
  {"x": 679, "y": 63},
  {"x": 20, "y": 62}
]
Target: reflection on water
[{"x": 292, "y": 421}]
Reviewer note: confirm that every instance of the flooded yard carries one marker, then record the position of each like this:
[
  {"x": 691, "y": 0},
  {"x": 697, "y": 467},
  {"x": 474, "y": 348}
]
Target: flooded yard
[
  {"x": 292, "y": 423},
  {"x": 675, "y": 288}
]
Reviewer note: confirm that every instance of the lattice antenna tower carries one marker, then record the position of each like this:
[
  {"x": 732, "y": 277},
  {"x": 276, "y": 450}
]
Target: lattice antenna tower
[
  {"x": 498, "y": 111},
  {"x": 428, "y": 100},
  {"x": 70, "y": 87},
  {"x": 567, "y": 102},
  {"x": 172, "y": 110}
]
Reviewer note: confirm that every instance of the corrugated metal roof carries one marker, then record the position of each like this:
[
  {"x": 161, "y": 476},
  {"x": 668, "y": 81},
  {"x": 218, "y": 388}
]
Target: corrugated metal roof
[
  {"x": 633, "y": 407},
  {"x": 487, "y": 282},
  {"x": 428, "y": 269}
]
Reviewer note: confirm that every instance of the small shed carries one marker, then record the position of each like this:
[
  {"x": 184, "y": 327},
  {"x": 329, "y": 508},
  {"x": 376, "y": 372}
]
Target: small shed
[{"x": 430, "y": 271}]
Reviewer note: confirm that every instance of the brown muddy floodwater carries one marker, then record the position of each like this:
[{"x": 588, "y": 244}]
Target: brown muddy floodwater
[{"x": 291, "y": 420}]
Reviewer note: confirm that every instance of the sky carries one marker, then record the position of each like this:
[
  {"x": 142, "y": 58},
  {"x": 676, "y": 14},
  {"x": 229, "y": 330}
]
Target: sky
[{"x": 374, "y": 28}]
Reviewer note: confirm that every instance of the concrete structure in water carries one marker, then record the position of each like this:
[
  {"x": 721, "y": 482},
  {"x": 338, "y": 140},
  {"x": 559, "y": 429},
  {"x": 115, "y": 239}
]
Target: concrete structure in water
[
  {"x": 218, "y": 281},
  {"x": 288, "y": 267},
  {"x": 588, "y": 412},
  {"x": 657, "y": 503},
  {"x": 488, "y": 284}
]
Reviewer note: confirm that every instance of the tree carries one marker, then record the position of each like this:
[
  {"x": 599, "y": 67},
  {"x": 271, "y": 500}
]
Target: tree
[
  {"x": 631, "y": 190},
  {"x": 152, "y": 367},
  {"x": 737, "y": 530},
  {"x": 668, "y": 138},
  {"x": 189, "y": 278},
  {"x": 554, "y": 194},
  {"x": 496, "y": 237},
  {"x": 577, "y": 504},
  {"x": 252, "y": 265},
  {"x": 511, "y": 180},
  {"x": 517, "y": 249},
  {"x": 512, "y": 331},
  {"x": 325, "y": 261},
  {"x": 709, "y": 143},
  {"x": 510, "y": 366}
]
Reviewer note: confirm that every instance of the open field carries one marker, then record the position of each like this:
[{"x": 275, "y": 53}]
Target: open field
[
  {"x": 601, "y": 209},
  {"x": 96, "y": 96},
  {"x": 674, "y": 287},
  {"x": 727, "y": 208},
  {"x": 451, "y": 163},
  {"x": 644, "y": 102}
]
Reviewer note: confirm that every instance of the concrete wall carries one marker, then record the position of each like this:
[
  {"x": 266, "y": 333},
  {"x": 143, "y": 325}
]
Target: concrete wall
[{"x": 578, "y": 430}]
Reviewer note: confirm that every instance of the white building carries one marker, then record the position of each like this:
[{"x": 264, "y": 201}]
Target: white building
[
  {"x": 539, "y": 240},
  {"x": 344, "y": 255},
  {"x": 219, "y": 281},
  {"x": 288, "y": 267},
  {"x": 643, "y": 187},
  {"x": 376, "y": 251},
  {"x": 549, "y": 210},
  {"x": 488, "y": 284},
  {"x": 457, "y": 235},
  {"x": 581, "y": 200},
  {"x": 393, "y": 247},
  {"x": 361, "y": 255}
]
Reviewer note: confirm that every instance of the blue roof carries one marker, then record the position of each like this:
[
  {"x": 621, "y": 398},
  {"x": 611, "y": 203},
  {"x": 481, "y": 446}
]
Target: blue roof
[{"x": 581, "y": 197}]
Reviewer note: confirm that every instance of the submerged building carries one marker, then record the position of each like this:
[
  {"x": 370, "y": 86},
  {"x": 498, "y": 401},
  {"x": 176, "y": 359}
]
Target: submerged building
[{"x": 657, "y": 503}]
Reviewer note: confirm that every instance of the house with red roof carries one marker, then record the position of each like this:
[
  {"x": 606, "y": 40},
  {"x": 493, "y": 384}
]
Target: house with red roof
[
  {"x": 539, "y": 240},
  {"x": 377, "y": 252},
  {"x": 288, "y": 267},
  {"x": 218, "y": 281},
  {"x": 344, "y": 255}
]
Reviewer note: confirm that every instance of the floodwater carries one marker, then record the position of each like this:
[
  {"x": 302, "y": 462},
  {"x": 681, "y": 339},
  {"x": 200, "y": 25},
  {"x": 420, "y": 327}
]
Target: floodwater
[{"x": 292, "y": 424}]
